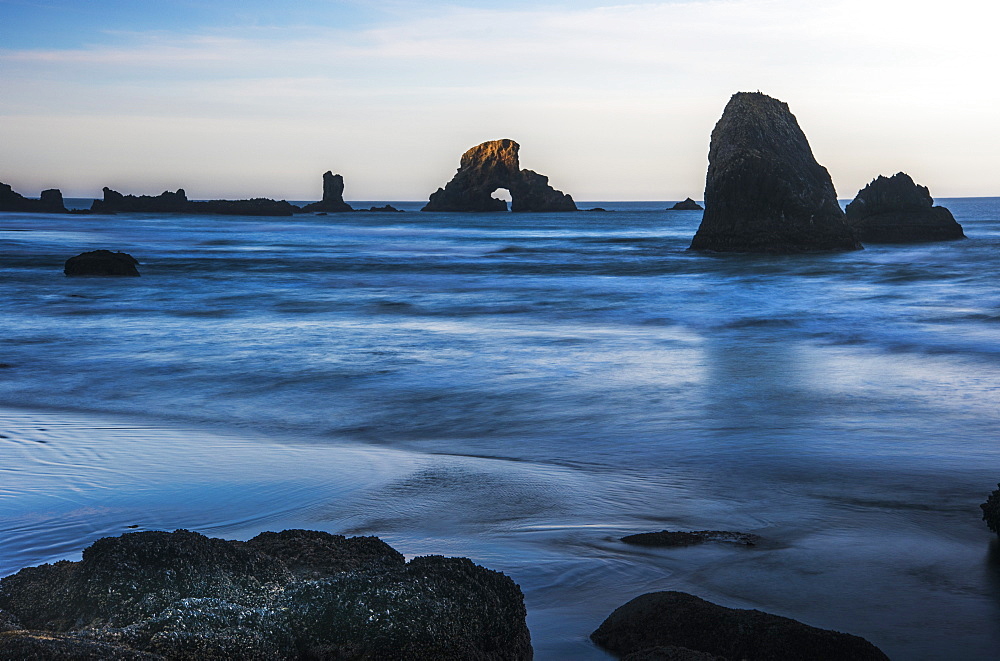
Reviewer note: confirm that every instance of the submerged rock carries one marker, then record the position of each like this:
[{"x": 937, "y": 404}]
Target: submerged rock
[
  {"x": 490, "y": 166},
  {"x": 51, "y": 201},
  {"x": 764, "y": 191},
  {"x": 683, "y": 620},
  {"x": 333, "y": 195},
  {"x": 288, "y": 595},
  {"x": 687, "y": 205},
  {"x": 896, "y": 210},
  {"x": 690, "y": 538},
  {"x": 102, "y": 262}
]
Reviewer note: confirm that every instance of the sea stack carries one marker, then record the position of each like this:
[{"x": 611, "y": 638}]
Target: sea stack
[
  {"x": 333, "y": 195},
  {"x": 765, "y": 192},
  {"x": 896, "y": 210},
  {"x": 51, "y": 201},
  {"x": 490, "y": 166}
]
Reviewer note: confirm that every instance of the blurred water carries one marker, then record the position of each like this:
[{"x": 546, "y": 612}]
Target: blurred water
[{"x": 524, "y": 389}]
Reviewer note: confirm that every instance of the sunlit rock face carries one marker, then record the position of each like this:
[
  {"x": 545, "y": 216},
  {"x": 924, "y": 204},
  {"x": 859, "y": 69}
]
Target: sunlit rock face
[
  {"x": 492, "y": 165},
  {"x": 333, "y": 195},
  {"x": 896, "y": 210},
  {"x": 764, "y": 191}
]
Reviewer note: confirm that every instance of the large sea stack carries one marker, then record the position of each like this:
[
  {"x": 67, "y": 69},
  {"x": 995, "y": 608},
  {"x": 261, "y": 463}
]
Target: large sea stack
[
  {"x": 51, "y": 201},
  {"x": 333, "y": 195},
  {"x": 896, "y": 210},
  {"x": 765, "y": 192},
  {"x": 491, "y": 166}
]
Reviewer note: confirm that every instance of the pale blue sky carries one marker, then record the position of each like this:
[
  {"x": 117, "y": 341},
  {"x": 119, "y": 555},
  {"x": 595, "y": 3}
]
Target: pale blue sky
[{"x": 612, "y": 101}]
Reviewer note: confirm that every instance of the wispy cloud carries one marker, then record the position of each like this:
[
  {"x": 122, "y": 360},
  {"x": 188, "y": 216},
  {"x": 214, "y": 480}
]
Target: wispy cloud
[{"x": 873, "y": 83}]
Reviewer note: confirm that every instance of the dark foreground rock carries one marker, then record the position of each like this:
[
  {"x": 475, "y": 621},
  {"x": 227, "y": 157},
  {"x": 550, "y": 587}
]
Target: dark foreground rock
[
  {"x": 686, "y": 205},
  {"x": 896, "y": 210},
  {"x": 291, "y": 595},
  {"x": 488, "y": 167},
  {"x": 690, "y": 538},
  {"x": 764, "y": 191},
  {"x": 102, "y": 262},
  {"x": 682, "y": 620},
  {"x": 177, "y": 202},
  {"x": 51, "y": 201},
  {"x": 333, "y": 196},
  {"x": 991, "y": 510}
]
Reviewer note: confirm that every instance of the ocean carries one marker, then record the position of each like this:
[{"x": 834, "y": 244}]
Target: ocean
[{"x": 523, "y": 390}]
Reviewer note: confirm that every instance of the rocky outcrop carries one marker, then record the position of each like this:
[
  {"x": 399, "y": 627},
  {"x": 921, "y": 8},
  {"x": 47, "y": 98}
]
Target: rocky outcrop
[
  {"x": 764, "y": 191},
  {"x": 258, "y": 206},
  {"x": 686, "y": 205},
  {"x": 115, "y": 202},
  {"x": 333, "y": 196},
  {"x": 102, "y": 262},
  {"x": 167, "y": 202},
  {"x": 289, "y": 595},
  {"x": 488, "y": 167},
  {"x": 896, "y": 210},
  {"x": 51, "y": 201},
  {"x": 681, "y": 620},
  {"x": 690, "y": 538}
]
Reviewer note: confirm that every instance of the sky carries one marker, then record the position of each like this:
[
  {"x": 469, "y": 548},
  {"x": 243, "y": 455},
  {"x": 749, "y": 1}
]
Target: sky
[{"x": 612, "y": 101}]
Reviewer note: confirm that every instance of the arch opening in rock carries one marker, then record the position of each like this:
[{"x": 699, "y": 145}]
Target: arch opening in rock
[
  {"x": 502, "y": 194},
  {"x": 489, "y": 168}
]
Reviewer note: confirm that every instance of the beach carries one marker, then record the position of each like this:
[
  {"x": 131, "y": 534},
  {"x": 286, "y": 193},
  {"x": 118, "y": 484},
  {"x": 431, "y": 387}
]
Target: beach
[{"x": 523, "y": 390}]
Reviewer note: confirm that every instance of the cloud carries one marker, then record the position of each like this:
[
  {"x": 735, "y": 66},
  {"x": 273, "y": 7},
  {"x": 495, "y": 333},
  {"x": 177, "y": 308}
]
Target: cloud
[{"x": 878, "y": 86}]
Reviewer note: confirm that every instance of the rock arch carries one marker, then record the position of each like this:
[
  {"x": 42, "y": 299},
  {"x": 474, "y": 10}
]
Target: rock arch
[{"x": 490, "y": 166}]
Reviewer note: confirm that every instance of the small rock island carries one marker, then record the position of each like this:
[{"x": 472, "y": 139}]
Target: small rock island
[
  {"x": 51, "y": 201},
  {"x": 896, "y": 210},
  {"x": 490, "y": 166},
  {"x": 687, "y": 205},
  {"x": 764, "y": 191}
]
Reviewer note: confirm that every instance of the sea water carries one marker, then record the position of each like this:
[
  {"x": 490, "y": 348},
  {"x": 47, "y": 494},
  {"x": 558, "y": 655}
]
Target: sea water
[{"x": 523, "y": 390}]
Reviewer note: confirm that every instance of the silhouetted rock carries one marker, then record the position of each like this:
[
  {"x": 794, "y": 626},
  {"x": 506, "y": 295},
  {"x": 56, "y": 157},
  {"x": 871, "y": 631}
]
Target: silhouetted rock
[
  {"x": 686, "y": 205},
  {"x": 102, "y": 262},
  {"x": 288, "y": 595},
  {"x": 258, "y": 206},
  {"x": 488, "y": 167},
  {"x": 896, "y": 210},
  {"x": 690, "y": 538},
  {"x": 764, "y": 191},
  {"x": 165, "y": 202},
  {"x": 333, "y": 195},
  {"x": 683, "y": 620},
  {"x": 51, "y": 201},
  {"x": 601, "y": 209},
  {"x": 388, "y": 208}
]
